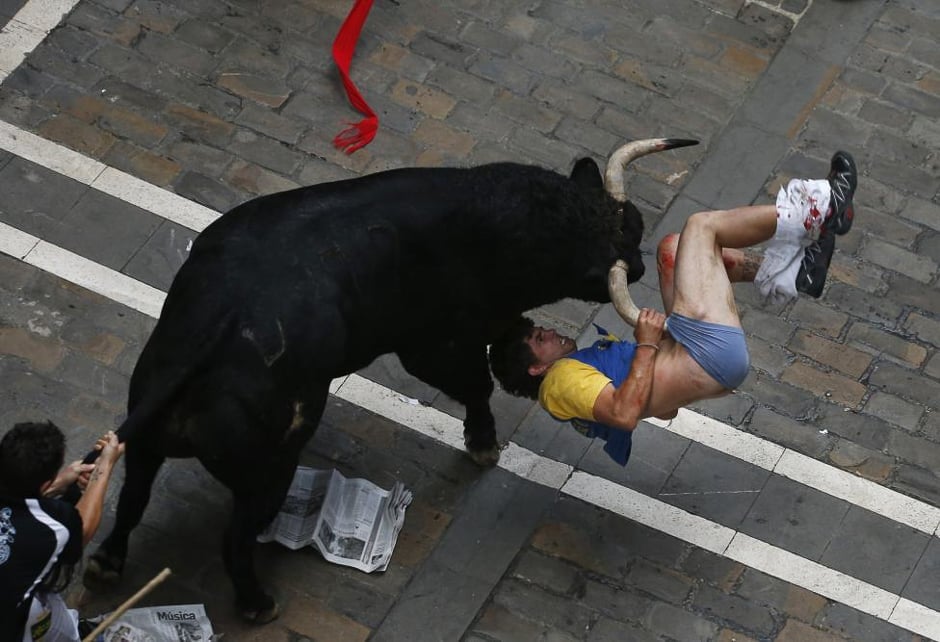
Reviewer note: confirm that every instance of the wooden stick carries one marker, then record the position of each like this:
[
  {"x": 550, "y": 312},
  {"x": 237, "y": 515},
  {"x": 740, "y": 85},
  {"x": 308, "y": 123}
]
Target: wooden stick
[{"x": 119, "y": 611}]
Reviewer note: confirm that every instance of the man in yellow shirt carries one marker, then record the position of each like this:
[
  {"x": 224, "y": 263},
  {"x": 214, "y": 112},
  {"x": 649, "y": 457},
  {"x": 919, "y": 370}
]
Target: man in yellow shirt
[{"x": 606, "y": 389}]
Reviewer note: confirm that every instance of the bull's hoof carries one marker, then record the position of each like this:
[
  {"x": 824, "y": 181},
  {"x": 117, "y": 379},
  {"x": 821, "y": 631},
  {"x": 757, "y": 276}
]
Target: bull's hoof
[
  {"x": 102, "y": 572},
  {"x": 262, "y": 613},
  {"x": 488, "y": 457}
]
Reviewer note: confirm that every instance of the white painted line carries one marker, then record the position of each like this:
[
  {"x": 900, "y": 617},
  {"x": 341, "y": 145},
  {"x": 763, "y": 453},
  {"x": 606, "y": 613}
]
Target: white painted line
[
  {"x": 598, "y": 491},
  {"x": 812, "y": 576},
  {"x": 97, "y": 278},
  {"x": 724, "y": 438},
  {"x": 917, "y": 618},
  {"x": 649, "y": 512},
  {"x": 48, "y": 154},
  {"x": 44, "y": 15},
  {"x": 29, "y": 27},
  {"x": 859, "y": 491},
  {"x": 16, "y": 40},
  {"x": 430, "y": 422},
  {"x": 154, "y": 199},
  {"x": 16, "y": 243}
]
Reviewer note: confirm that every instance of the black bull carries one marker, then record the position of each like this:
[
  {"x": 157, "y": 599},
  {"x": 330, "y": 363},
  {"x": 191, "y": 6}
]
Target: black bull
[{"x": 286, "y": 292}]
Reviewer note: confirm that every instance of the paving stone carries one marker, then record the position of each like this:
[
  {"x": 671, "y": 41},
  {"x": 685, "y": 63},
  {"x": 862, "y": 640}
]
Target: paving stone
[
  {"x": 730, "y": 409},
  {"x": 770, "y": 358},
  {"x": 499, "y": 623},
  {"x": 915, "y": 450},
  {"x": 158, "y": 260},
  {"x": 734, "y": 609},
  {"x": 831, "y": 354},
  {"x": 618, "y": 603},
  {"x": 537, "y": 605},
  {"x": 49, "y": 195},
  {"x": 867, "y": 431},
  {"x": 654, "y": 456},
  {"x": 796, "y": 631},
  {"x": 675, "y": 623},
  {"x": 856, "y": 625},
  {"x": 781, "y": 596},
  {"x": 794, "y": 517},
  {"x": 716, "y": 570},
  {"x": 607, "y": 630},
  {"x": 905, "y": 383},
  {"x": 206, "y": 191},
  {"x": 315, "y": 620},
  {"x": 39, "y": 352},
  {"x": 801, "y": 436},
  {"x": 547, "y": 572},
  {"x": 875, "y": 549},
  {"x": 660, "y": 582},
  {"x": 714, "y": 485},
  {"x": 894, "y": 410},
  {"x": 813, "y": 316},
  {"x": 148, "y": 166},
  {"x": 128, "y": 228},
  {"x": 863, "y": 461},
  {"x": 829, "y": 385},
  {"x": 922, "y": 587},
  {"x": 881, "y": 343}
]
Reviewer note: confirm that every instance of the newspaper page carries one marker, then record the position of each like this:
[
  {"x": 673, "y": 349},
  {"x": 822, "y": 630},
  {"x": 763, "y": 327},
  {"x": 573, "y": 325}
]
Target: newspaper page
[
  {"x": 295, "y": 523},
  {"x": 179, "y": 623},
  {"x": 351, "y": 522}
]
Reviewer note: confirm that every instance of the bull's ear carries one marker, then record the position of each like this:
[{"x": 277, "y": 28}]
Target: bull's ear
[{"x": 586, "y": 173}]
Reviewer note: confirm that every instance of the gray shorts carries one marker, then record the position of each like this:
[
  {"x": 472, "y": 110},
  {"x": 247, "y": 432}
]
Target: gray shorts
[{"x": 721, "y": 350}]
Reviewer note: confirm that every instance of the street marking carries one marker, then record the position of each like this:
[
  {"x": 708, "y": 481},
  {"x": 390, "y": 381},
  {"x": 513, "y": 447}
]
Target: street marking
[
  {"x": 812, "y": 576},
  {"x": 29, "y": 27},
  {"x": 524, "y": 463},
  {"x": 81, "y": 271},
  {"x": 806, "y": 470}
]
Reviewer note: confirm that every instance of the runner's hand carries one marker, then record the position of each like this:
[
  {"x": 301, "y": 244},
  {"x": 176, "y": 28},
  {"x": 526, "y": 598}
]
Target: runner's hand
[
  {"x": 111, "y": 449},
  {"x": 649, "y": 327}
]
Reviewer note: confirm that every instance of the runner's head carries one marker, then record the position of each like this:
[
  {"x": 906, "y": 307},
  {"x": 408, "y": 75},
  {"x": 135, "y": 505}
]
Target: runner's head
[{"x": 31, "y": 455}]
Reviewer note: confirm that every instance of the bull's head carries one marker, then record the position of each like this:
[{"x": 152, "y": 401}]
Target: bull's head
[{"x": 625, "y": 249}]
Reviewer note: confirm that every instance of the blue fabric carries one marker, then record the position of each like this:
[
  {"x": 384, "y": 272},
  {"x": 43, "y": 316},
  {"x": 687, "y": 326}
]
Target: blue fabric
[
  {"x": 721, "y": 350},
  {"x": 613, "y": 358}
]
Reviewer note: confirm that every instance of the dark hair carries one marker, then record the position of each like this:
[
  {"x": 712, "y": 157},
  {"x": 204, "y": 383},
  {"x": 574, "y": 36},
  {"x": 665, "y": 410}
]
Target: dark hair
[
  {"x": 30, "y": 455},
  {"x": 510, "y": 358}
]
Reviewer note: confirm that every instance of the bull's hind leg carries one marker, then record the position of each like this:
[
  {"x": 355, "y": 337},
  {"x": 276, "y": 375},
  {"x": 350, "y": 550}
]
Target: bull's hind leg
[
  {"x": 259, "y": 487},
  {"x": 462, "y": 373},
  {"x": 252, "y": 511},
  {"x": 141, "y": 465}
]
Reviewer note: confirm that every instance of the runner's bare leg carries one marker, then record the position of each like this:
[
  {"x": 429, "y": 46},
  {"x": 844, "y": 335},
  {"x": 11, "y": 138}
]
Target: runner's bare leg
[{"x": 702, "y": 287}]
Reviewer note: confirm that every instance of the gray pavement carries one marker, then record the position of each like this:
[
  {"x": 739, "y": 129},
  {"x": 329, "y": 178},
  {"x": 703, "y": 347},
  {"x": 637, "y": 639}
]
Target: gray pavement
[{"x": 222, "y": 101}]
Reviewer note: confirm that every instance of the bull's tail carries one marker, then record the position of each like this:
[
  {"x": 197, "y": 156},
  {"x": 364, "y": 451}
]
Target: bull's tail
[
  {"x": 623, "y": 156},
  {"x": 157, "y": 398}
]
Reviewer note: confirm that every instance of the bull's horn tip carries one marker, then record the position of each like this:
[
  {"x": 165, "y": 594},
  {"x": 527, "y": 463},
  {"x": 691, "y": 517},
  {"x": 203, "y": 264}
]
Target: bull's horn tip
[{"x": 672, "y": 143}]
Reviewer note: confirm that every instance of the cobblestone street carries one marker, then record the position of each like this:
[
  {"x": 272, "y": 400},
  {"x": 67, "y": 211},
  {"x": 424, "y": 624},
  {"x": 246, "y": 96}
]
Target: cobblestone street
[{"x": 805, "y": 507}]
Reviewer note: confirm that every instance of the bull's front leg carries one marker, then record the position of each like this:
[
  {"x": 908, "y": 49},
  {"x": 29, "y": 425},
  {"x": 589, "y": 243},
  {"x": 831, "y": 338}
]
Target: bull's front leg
[{"x": 461, "y": 372}]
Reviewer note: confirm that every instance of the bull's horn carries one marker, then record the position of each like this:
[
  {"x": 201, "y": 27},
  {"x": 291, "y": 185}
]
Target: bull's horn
[
  {"x": 620, "y": 295},
  {"x": 613, "y": 177}
]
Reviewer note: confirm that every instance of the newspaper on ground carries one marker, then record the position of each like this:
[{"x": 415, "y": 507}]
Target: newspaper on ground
[
  {"x": 178, "y": 623},
  {"x": 351, "y": 522}
]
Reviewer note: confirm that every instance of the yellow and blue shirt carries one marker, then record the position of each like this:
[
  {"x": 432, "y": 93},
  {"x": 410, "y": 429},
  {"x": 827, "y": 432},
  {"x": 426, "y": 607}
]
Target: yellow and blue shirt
[{"x": 572, "y": 385}]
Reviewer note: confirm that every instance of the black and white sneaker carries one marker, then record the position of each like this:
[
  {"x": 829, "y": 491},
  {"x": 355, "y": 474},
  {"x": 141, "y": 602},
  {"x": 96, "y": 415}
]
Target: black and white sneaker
[
  {"x": 816, "y": 258},
  {"x": 843, "y": 179}
]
